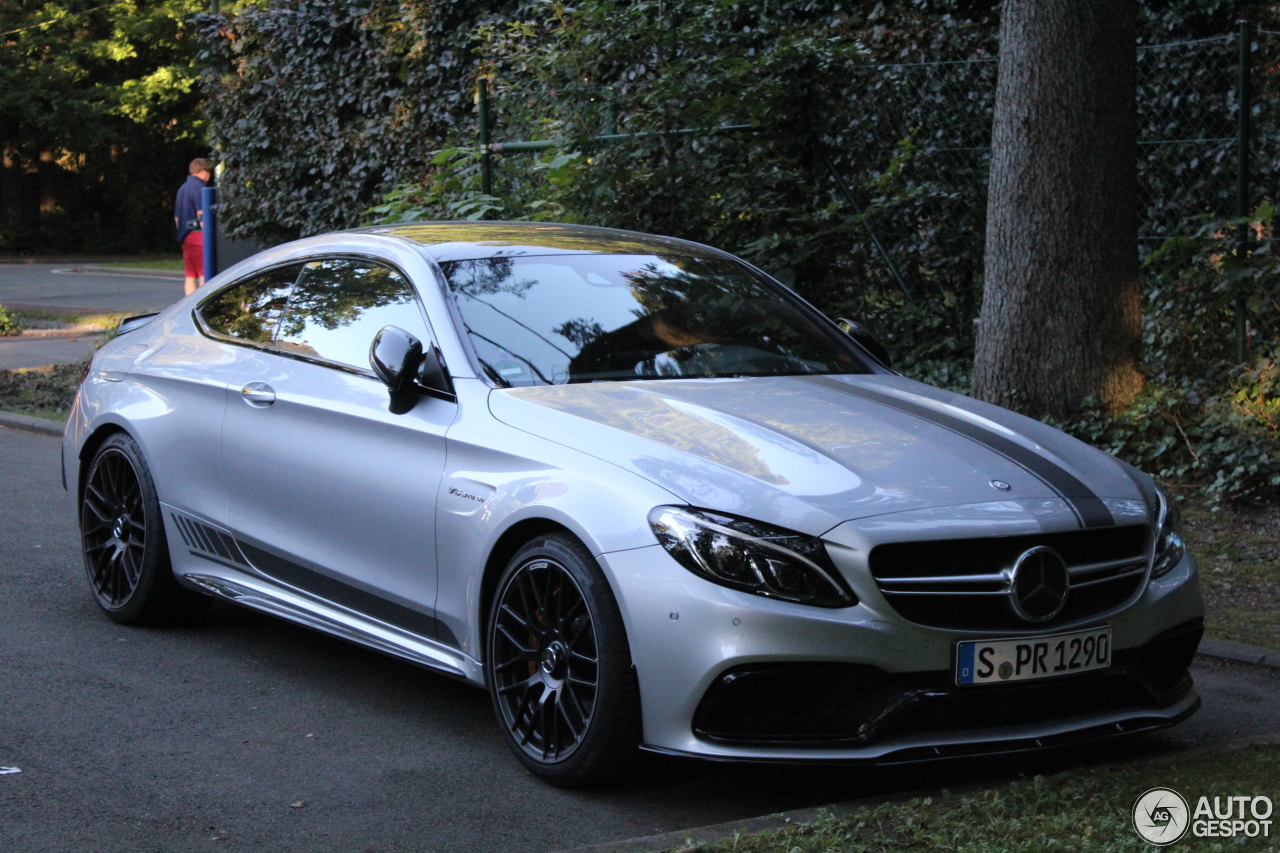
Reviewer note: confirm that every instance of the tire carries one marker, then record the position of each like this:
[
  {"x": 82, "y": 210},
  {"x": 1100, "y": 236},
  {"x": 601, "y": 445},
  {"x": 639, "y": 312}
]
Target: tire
[
  {"x": 559, "y": 668},
  {"x": 122, "y": 537}
]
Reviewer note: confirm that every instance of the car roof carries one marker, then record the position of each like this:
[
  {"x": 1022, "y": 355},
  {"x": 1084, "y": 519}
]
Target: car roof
[{"x": 465, "y": 241}]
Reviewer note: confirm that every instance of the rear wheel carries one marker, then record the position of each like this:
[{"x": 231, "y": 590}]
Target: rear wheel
[
  {"x": 122, "y": 534},
  {"x": 559, "y": 667}
]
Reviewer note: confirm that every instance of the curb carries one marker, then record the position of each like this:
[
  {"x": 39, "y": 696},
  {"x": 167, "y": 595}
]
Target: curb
[
  {"x": 1239, "y": 652},
  {"x": 691, "y": 840},
  {"x": 26, "y": 423}
]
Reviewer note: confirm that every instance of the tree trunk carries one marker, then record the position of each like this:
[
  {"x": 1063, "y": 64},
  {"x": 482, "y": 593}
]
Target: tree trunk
[{"x": 1060, "y": 316}]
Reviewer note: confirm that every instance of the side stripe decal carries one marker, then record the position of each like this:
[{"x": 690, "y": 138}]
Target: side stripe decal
[{"x": 1089, "y": 509}]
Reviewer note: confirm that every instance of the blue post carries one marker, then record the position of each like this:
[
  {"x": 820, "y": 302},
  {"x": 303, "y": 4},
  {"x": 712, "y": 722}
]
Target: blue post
[{"x": 209, "y": 204}]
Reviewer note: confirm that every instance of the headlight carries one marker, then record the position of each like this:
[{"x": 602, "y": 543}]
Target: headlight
[
  {"x": 751, "y": 556},
  {"x": 1169, "y": 545}
]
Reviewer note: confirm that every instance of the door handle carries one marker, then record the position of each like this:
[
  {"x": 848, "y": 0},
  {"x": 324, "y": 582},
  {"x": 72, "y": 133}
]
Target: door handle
[{"x": 258, "y": 394}]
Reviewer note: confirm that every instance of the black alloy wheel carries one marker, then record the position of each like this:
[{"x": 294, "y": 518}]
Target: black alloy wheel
[
  {"x": 125, "y": 552},
  {"x": 559, "y": 668}
]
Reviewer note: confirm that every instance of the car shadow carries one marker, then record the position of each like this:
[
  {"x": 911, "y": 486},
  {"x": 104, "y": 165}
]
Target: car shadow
[{"x": 432, "y": 702}]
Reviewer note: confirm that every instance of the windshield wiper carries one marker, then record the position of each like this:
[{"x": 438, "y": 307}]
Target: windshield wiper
[{"x": 493, "y": 374}]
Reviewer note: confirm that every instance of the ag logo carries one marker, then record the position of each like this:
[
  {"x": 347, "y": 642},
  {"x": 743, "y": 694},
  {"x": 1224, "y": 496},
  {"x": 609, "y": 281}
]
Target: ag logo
[{"x": 1160, "y": 816}]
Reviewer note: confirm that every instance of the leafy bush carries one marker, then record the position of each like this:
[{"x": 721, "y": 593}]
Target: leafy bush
[
  {"x": 317, "y": 107},
  {"x": 452, "y": 189},
  {"x": 1203, "y": 417},
  {"x": 8, "y": 325}
]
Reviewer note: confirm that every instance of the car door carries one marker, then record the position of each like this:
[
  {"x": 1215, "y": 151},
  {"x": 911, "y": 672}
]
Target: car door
[
  {"x": 189, "y": 373},
  {"x": 328, "y": 490}
]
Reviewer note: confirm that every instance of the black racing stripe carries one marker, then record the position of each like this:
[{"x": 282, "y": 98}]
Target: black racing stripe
[
  {"x": 347, "y": 595},
  {"x": 215, "y": 539},
  {"x": 213, "y": 559},
  {"x": 1089, "y": 509},
  {"x": 230, "y": 544}
]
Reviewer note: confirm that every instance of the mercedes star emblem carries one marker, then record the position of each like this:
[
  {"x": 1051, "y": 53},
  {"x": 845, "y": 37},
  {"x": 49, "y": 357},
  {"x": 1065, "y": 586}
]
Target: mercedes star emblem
[{"x": 1039, "y": 586}]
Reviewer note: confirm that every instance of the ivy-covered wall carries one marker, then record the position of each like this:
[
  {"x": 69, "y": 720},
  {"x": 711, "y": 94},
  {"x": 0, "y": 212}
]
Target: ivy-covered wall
[{"x": 315, "y": 106}]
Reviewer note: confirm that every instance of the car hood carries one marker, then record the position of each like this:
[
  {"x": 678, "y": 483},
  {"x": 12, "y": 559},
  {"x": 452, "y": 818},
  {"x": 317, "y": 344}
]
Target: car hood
[{"x": 812, "y": 452}]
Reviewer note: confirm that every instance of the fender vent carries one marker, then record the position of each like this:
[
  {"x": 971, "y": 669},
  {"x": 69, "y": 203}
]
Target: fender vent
[{"x": 207, "y": 541}]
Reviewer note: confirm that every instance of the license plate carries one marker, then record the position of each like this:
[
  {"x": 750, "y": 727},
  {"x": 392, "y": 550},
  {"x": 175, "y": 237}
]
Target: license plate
[{"x": 998, "y": 661}]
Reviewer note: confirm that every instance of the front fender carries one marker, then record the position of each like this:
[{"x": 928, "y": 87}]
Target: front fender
[{"x": 485, "y": 493}]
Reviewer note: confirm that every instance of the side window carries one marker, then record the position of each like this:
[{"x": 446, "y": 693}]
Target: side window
[
  {"x": 339, "y": 305},
  {"x": 251, "y": 309}
]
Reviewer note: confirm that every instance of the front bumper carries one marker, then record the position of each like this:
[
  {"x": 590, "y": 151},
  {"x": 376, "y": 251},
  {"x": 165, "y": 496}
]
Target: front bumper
[{"x": 687, "y": 635}]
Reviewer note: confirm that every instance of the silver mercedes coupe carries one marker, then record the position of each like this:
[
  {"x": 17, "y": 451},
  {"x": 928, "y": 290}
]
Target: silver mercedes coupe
[{"x": 639, "y": 491}]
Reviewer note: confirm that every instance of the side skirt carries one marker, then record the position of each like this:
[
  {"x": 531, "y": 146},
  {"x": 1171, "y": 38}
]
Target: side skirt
[
  {"x": 222, "y": 569},
  {"x": 262, "y": 595}
]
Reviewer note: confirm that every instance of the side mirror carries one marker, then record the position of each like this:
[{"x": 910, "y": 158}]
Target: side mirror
[
  {"x": 864, "y": 337},
  {"x": 403, "y": 364}
]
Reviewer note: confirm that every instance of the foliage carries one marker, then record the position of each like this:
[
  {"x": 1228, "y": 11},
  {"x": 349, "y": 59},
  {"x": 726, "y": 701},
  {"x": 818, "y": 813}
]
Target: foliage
[
  {"x": 1203, "y": 417},
  {"x": 571, "y": 73},
  {"x": 97, "y": 122},
  {"x": 8, "y": 325},
  {"x": 316, "y": 107},
  {"x": 1080, "y": 810},
  {"x": 451, "y": 190}
]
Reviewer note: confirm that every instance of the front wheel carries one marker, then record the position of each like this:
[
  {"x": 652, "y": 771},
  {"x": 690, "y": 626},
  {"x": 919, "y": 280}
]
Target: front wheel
[
  {"x": 559, "y": 667},
  {"x": 122, "y": 536}
]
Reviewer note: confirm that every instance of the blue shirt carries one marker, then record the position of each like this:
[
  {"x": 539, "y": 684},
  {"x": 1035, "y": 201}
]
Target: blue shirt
[{"x": 187, "y": 206}]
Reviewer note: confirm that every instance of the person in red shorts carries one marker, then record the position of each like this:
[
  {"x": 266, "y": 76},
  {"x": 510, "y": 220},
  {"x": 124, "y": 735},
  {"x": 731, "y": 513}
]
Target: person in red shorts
[{"x": 188, "y": 217}]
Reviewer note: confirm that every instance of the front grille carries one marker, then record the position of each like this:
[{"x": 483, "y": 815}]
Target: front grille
[
  {"x": 963, "y": 584},
  {"x": 828, "y": 704}
]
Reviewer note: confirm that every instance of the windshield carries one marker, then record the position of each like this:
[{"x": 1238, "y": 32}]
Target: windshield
[{"x": 583, "y": 318}]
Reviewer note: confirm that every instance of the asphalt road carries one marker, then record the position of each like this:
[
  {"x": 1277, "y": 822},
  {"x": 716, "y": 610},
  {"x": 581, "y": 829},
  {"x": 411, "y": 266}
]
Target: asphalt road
[
  {"x": 52, "y": 288},
  {"x": 203, "y": 738}
]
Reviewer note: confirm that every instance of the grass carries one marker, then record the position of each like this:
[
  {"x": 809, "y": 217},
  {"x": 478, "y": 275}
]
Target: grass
[
  {"x": 1083, "y": 810},
  {"x": 1239, "y": 555}
]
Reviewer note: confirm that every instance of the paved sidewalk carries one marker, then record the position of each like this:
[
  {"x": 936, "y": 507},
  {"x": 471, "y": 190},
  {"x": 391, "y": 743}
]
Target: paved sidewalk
[
  {"x": 135, "y": 272},
  {"x": 22, "y": 351}
]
